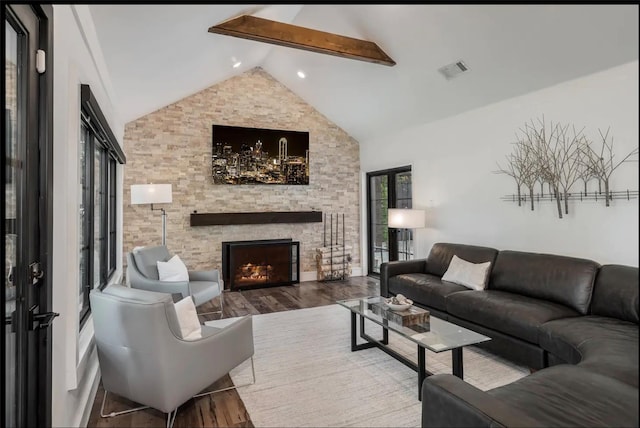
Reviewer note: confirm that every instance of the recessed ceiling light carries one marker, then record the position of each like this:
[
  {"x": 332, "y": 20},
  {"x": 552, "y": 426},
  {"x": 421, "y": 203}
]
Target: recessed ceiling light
[
  {"x": 237, "y": 64},
  {"x": 301, "y": 74}
]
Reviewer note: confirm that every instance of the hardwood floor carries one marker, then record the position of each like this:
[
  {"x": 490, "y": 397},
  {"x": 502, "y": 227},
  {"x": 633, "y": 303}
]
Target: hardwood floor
[{"x": 226, "y": 409}]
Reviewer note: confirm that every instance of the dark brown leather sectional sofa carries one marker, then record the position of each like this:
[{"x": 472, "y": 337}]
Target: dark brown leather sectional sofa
[{"x": 572, "y": 319}]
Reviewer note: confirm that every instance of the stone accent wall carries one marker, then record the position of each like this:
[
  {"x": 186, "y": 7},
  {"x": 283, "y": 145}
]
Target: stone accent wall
[{"x": 174, "y": 145}]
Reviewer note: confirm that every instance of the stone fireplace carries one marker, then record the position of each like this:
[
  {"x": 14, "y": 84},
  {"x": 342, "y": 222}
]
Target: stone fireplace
[{"x": 260, "y": 263}]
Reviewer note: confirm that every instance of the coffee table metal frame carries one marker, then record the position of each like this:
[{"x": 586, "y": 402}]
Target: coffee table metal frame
[{"x": 354, "y": 305}]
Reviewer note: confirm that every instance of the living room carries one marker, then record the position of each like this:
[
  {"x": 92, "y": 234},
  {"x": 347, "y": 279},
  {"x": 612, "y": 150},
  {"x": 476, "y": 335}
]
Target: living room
[{"x": 161, "y": 80}]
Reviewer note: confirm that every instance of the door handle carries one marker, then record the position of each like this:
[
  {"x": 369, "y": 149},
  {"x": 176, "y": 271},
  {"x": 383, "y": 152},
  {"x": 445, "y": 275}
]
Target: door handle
[
  {"x": 35, "y": 272},
  {"x": 42, "y": 320}
]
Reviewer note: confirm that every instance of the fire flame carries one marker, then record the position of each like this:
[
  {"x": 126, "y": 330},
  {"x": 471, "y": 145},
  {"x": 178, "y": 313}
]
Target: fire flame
[{"x": 253, "y": 272}]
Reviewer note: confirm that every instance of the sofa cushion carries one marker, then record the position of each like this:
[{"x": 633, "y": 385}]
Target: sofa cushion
[
  {"x": 615, "y": 293},
  {"x": 607, "y": 346},
  {"x": 568, "y": 395},
  {"x": 516, "y": 350},
  {"x": 147, "y": 257},
  {"x": 423, "y": 288},
  {"x": 441, "y": 254},
  {"x": 565, "y": 280},
  {"x": 509, "y": 313}
]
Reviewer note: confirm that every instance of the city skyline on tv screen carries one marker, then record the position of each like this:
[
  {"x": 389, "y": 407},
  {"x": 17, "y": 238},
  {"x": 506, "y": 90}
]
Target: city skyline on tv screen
[{"x": 242, "y": 155}]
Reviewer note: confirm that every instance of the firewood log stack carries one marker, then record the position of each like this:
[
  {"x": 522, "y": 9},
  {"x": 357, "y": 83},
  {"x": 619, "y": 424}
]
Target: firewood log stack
[{"x": 333, "y": 262}]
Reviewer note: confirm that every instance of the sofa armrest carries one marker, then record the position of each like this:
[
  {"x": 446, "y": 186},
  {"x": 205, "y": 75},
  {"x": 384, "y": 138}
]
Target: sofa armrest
[
  {"x": 389, "y": 269},
  {"x": 448, "y": 401}
]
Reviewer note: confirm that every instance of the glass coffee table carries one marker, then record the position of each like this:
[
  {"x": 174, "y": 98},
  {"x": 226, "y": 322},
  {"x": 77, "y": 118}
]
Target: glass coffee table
[{"x": 435, "y": 335}]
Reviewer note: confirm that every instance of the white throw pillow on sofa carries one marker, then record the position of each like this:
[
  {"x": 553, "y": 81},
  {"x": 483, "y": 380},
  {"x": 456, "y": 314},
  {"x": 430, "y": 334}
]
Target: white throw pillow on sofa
[
  {"x": 188, "y": 319},
  {"x": 471, "y": 275},
  {"x": 172, "y": 270}
]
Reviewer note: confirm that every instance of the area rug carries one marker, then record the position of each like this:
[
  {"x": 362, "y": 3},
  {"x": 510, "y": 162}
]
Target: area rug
[{"x": 306, "y": 374}]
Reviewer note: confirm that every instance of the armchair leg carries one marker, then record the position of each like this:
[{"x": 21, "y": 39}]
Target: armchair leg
[
  {"x": 112, "y": 414},
  {"x": 216, "y": 312},
  {"x": 171, "y": 418},
  {"x": 253, "y": 373}
]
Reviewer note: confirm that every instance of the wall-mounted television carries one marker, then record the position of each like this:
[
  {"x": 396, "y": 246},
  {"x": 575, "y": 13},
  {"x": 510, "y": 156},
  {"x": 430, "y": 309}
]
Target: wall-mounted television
[{"x": 259, "y": 156}]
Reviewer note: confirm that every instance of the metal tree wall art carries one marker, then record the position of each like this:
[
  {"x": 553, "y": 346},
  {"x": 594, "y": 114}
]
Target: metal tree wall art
[
  {"x": 561, "y": 156},
  {"x": 601, "y": 165}
]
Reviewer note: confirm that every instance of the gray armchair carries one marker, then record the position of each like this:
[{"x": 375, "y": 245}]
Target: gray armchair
[
  {"x": 143, "y": 358},
  {"x": 142, "y": 272}
]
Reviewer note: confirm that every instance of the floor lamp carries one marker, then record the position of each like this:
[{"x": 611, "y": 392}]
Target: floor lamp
[
  {"x": 153, "y": 194},
  {"x": 405, "y": 219}
]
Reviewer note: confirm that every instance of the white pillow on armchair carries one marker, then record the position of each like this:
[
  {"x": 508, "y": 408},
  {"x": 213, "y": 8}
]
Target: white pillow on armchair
[
  {"x": 188, "y": 319},
  {"x": 172, "y": 270}
]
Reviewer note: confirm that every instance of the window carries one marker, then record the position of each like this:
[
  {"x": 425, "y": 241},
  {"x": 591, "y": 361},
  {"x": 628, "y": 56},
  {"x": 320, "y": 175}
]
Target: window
[
  {"x": 99, "y": 155},
  {"x": 386, "y": 189}
]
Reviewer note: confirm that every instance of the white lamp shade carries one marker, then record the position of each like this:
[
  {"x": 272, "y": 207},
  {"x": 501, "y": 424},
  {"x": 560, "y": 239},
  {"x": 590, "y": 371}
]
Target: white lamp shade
[
  {"x": 151, "y": 194},
  {"x": 405, "y": 218}
]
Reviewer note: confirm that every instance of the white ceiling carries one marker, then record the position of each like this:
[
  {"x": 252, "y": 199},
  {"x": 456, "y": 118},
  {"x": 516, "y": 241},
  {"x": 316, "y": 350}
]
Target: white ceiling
[{"x": 159, "y": 54}]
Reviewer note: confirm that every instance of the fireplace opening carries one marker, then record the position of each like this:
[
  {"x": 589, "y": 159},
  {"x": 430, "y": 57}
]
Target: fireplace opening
[{"x": 260, "y": 263}]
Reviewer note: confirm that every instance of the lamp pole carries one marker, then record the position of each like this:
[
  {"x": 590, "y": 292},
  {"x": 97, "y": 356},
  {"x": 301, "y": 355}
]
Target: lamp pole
[
  {"x": 164, "y": 223},
  {"x": 164, "y": 227}
]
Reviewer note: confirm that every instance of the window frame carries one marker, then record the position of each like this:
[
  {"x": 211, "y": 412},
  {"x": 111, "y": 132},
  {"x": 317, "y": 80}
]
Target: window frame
[
  {"x": 392, "y": 202},
  {"x": 99, "y": 143}
]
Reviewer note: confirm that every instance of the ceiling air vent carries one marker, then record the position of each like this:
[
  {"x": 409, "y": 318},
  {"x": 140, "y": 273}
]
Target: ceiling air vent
[{"x": 453, "y": 70}]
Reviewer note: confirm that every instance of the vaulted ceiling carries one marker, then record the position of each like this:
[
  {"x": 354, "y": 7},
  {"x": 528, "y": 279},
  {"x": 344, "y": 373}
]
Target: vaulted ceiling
[{"x": 158, "y": 54}]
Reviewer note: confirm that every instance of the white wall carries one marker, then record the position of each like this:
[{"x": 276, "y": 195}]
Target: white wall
[
  {"x": 453, "y": 160},
  {"x": 77, "y": 60}
]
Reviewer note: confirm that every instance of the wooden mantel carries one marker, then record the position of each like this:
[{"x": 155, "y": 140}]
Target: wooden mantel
[{"x": 210, "y": 219}]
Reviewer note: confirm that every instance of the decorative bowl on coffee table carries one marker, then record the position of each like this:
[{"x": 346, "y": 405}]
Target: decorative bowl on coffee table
[{"x": 398, "y": 307}]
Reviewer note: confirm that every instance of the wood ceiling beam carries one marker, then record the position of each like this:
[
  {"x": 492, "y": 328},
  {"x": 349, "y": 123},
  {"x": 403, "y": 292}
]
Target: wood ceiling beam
[{"x": 293, "y": 36}]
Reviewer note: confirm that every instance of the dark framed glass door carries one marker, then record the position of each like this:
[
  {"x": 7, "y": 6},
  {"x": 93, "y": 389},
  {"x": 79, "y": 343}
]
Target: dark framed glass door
[
  {"x": 390, "y": 188},
  {"x": 27, "y": 216}
]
